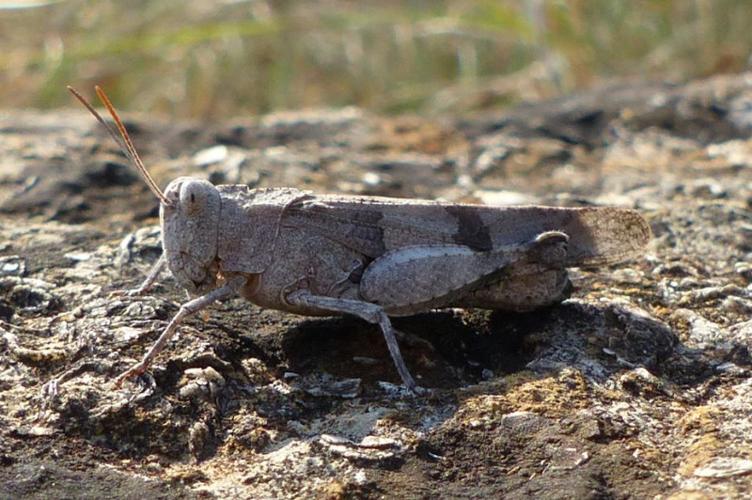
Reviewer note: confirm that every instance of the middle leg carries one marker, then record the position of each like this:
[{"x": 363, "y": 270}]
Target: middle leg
[{"x": 365, "y": 310}]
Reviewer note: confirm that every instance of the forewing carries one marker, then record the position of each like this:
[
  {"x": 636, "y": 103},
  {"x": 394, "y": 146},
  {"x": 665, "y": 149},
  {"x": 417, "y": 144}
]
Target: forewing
[{"x": 373, "y": 225}]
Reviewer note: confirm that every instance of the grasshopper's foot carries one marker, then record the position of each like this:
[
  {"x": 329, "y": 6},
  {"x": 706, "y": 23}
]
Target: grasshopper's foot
[
  {"x": 420, "y": 391},
  {"x": 137, "y": 292},
  {"x": 133, "y": 292},
  {"x": 134, "y": 371}
]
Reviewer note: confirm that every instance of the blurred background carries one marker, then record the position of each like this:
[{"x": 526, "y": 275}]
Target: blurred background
[{"x": 214, "y": 59}]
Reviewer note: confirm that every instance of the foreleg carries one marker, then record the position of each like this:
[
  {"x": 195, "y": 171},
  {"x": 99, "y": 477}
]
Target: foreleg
[
  {"x": 151, "y": 278},
  {"x": 187, "y": 309}
]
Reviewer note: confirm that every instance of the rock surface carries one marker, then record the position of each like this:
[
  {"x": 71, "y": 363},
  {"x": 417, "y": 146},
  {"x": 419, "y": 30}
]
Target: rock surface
[{"x": 639, "y": 385}]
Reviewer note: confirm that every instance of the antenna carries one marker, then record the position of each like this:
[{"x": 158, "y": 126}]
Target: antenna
[{"x": 123, "y": 140}]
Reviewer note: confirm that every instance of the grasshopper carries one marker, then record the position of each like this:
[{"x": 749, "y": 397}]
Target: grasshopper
[{"x": 370, "y": 257}]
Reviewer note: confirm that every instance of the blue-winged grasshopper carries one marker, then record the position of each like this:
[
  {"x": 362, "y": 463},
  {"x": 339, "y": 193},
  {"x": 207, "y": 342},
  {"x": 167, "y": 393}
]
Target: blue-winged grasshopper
[{"x": 370, "y": 257}]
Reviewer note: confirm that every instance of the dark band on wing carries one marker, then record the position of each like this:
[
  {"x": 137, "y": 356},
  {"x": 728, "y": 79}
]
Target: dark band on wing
[{"x": 471, "y": 230}]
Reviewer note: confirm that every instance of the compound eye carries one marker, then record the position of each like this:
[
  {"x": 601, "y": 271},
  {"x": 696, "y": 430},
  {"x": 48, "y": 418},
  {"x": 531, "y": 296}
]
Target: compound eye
[{"x": 192, "y": 197}]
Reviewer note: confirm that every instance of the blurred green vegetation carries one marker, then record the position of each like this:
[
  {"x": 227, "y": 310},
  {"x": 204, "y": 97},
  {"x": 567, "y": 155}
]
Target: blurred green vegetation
[{"x": 212, "y": 59}]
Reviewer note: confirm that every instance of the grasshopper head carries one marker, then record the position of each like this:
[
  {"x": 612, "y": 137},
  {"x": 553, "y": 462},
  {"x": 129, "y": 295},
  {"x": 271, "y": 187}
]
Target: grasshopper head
[
  {"x": 189, "y": 212},
  {"x": 190, "y": 222}
]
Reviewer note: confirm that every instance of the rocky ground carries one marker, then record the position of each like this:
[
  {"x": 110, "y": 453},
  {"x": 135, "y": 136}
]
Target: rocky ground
[{"x": 638, "y": 386}]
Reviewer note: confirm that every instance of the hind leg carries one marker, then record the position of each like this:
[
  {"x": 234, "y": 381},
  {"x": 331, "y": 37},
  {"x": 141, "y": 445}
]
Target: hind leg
[{"x": 520, "y": 292}]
